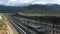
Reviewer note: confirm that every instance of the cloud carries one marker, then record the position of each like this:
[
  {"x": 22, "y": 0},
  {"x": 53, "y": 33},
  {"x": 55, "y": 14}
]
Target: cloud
[
  {"x": 14, "y": 2},
  {"x": 27, "y": 2}
]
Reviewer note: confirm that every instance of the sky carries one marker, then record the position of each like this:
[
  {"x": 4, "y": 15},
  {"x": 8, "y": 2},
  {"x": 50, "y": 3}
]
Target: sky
[{"x": 27, "y": 2}]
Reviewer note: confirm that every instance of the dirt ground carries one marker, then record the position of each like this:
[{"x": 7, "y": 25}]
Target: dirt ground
[
  {"x": 3, "y": 26},
  {"x": 3, "y": 30}
]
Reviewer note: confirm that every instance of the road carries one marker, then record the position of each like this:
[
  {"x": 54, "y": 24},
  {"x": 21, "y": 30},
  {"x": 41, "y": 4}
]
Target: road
[
  {"x": 45, "y": 25},
  {"x": 20, "y": 27},
  {"x": 24, "y": 30},
  {"x": 20, "y": 31}
]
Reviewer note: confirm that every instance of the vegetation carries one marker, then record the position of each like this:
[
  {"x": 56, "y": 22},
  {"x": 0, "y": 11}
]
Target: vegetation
[
  {"x": 38, "y": 14},
  {"x": 1, "y": 23}
]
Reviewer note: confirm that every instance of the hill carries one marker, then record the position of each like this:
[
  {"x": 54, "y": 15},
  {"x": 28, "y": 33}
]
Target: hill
[
  {"x": 40, "y": 9},
  {"x": 31, "y": 8}
]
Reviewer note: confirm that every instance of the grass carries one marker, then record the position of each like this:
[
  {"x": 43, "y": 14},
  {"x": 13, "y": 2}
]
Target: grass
[
  {"x": 38, "y": 14},
  {"x": 1, "y": 23}
]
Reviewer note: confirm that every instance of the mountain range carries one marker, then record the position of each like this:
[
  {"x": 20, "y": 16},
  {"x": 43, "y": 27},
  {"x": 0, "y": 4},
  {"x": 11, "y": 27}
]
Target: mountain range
[{"x": 55, "y": 8}]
